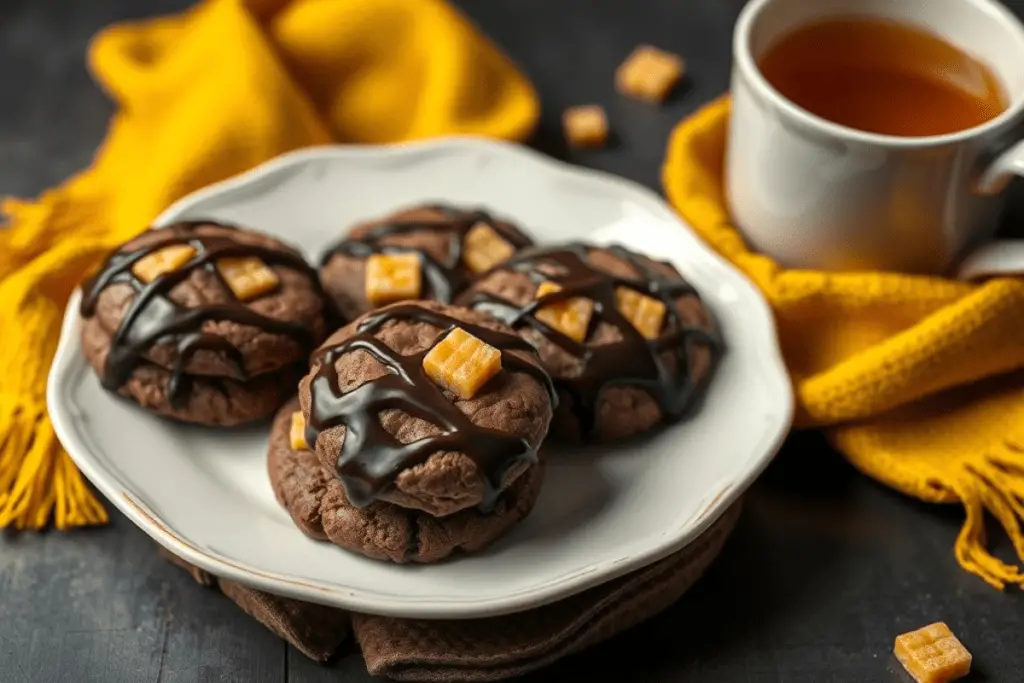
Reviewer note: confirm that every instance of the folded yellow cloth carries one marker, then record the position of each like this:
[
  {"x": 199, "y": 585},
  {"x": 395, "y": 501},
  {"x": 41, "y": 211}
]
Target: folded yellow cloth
[
  {"x": 913, "y": 378},
  {"x": 202, "y": 96}
]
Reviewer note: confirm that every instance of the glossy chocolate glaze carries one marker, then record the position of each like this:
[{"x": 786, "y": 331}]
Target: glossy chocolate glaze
[
  {"x": 631, "y": 361},
  {"x": 370, "y": 457},
  {"x": 152, "y": 317},
  {"x": 443, "y": 280}
]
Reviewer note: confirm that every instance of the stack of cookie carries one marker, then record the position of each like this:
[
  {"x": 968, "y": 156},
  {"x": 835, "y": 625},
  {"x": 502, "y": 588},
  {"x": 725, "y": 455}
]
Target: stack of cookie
[{"x": 417, "y": 428}]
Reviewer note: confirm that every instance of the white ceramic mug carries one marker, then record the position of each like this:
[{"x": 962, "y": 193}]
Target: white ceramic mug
[{"x": 816, "y": 194}]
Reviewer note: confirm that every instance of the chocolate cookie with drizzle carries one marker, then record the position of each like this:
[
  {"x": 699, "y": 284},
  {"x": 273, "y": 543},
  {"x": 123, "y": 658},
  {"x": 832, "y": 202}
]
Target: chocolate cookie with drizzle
[
  {"x": 390, "y": 434},
  {"x": 436, "y": 232},
  {"x": 183, "y": 344},
  {"x": 319, "y": 506},
  {"x": 615, "y": 382}
]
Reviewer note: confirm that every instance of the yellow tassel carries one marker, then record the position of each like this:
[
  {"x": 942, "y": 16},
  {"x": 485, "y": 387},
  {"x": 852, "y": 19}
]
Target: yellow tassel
[
  {"x": 37, "y": 478},
  {"x": 39, "y": 483}
]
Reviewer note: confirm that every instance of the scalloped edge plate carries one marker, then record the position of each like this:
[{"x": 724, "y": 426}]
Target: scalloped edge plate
[{"x": 603, "y": 512}]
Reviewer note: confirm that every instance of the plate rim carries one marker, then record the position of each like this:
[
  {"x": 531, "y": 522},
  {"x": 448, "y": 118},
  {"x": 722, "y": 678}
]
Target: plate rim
[{"x": 675, "y": 537}]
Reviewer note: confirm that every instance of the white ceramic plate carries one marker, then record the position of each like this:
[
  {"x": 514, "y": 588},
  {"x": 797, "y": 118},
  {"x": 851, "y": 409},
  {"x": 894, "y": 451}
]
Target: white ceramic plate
[{"x": 204, "y": 494}]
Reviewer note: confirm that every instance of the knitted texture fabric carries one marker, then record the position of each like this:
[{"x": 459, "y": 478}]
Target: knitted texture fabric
[
  {"x": 913, "y": 378},
  {"x": 200, "y": 97}
]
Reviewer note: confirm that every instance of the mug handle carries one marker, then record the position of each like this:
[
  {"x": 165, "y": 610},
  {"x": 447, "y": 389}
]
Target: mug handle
[{"x": 1002, "y": 257}]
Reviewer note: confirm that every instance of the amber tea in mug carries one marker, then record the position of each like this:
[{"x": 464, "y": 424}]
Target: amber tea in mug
[{"x": 882, "y": 76}]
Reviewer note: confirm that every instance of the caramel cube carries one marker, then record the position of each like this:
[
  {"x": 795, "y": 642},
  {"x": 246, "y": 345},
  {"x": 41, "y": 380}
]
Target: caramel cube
[
  {"x": 571, "y": 317},
  {"x": 461, "y": 363},
  {"x": 645, "y": 313},
  {"x": 162, "y": 261},
  {"x": 298, "y": 433},
  {"x": 393, "y": 277},
  {"x": 484, "y": 248},
  {"x": 585, "y": 126},
  {"x": 933, "y": 654},
  {"x": 649, "y": 74},
  {"x": 247, "y": 278}
]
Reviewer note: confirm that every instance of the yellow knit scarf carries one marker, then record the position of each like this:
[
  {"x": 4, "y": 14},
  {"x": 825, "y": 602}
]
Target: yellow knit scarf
[
  {"x": 913, "y": 378},
  {"x": 203, "y": 96}
]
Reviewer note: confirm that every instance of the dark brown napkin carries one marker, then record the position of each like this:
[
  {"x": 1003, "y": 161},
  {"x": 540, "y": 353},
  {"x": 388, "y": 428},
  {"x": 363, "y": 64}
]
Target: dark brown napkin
[{"x": 482, "y": 649}]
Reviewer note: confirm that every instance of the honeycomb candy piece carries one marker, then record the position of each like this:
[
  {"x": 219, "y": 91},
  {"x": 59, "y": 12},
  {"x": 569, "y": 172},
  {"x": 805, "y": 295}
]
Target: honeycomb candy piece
[
  {"x": 571, "y": 317},
  {"x": 484, "y": 248},
  {"x": 247, "y": 277},
  {"x": 645, "y": 313},
  {"x": 297, "y": 434},
  {"x": 162, "y": 261},
  {"x": 649, "y": 74},
  {"x": 933, "y": 654},
  {"x": 461, "y": 363},
  {"x": 393, "y": 277},
  {"x": 585, "y": 126}
]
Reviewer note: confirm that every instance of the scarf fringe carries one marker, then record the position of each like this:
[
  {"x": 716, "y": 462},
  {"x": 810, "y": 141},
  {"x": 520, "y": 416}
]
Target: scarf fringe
[
  {"x": 38, "y": 480},
  {"x": 994, "y": 483}
]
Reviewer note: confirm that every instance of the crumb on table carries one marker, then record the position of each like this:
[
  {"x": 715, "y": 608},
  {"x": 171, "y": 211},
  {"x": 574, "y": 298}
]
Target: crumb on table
[
  {"x": 649, "y": 74},
  {"x": 933, "y": 654},
  {"x": 585, "y": 126}
]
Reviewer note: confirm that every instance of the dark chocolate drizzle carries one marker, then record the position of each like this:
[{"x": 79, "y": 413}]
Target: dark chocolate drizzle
[
  {"x": 633, "y": 361},
  {"x": 152, "y": 317},
  {"x": 443, "y": 280},
  {"x": 370, "y": 457}
]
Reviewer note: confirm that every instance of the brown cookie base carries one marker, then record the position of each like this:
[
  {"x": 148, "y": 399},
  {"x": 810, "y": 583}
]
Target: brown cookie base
[
  {"x": 316, "y": 501},
  {"x": 211, "y": 401}
]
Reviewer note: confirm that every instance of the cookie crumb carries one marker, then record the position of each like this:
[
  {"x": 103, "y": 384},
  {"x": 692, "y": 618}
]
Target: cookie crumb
[
  {"x": 933, "y": 654},
  {"x": 571, "y": 317},
  {"x": 585, "y": 126},
  {"x": 462, "y": 364},
  {"x": 649, "y": 74},
  {"x": 162, "y": 261},
  {"x": 247, "y": 278},
  {"x": 644, "y": 313},
  {"x": 393, "y": 277},
  {"x": 483, "y": 248}
]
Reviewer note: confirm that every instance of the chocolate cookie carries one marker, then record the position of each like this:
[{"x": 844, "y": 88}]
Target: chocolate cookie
[
  {"x": 376, "y": 417},
  {"x": 203, "y": 322},
  {"x": 626, "y": 339},
  {"x": 316, "y": 501},
  {"x": 452, "y": 247}
]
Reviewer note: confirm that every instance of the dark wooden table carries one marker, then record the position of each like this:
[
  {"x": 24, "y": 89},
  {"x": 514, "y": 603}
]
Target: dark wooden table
[{"x": 824, "y": 568}]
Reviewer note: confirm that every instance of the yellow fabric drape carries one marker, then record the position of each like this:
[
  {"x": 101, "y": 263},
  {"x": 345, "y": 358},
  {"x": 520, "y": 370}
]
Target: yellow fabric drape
[
  {"x": 915, "y": 379},
  {"x": 202, "y": 96}
]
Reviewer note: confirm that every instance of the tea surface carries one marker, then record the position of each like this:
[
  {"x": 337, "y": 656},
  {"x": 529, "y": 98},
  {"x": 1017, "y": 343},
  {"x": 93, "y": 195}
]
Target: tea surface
[{"x": 883, "y": 77}]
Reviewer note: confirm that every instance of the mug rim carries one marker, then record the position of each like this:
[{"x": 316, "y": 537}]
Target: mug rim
[{"x": 745, "y": 60}]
